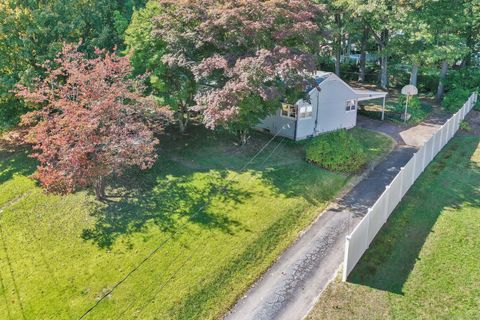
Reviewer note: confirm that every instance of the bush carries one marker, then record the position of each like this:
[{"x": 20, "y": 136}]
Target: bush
[
  {"x": 427, "y": 80},
  {"x": 10, "y": 112},
  {"x": 460, "y": 85},
  {"x": 454, "y": 99},
  {"x": 463, "y": 79},
  {"x": 337, "y": 151},
  {"x": 464, "y": 125},
  {"x": 416, "y": 108}
]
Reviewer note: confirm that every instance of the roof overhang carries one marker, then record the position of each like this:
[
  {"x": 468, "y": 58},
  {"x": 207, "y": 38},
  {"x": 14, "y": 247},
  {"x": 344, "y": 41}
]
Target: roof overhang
[{"x": 363, "y": 95}]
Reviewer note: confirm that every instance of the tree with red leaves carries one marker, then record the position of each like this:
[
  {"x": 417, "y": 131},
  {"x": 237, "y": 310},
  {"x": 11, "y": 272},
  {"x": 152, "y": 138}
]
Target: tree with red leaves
[
  {"x": 246, "y": 55},
  {"x": 90, "y": 121}
]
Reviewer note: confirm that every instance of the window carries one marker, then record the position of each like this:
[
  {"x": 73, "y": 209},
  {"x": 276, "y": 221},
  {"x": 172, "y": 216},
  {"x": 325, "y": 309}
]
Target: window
[
  {"x": 351, "y": 105},
  {"x": 289, "y": 111},
  {"x": 305, "y": 111}
]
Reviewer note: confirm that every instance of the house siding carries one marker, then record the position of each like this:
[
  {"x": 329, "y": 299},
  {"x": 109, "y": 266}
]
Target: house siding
[
  {"x": 278, "y": 125},
  {"x": 329, "y": 113}
]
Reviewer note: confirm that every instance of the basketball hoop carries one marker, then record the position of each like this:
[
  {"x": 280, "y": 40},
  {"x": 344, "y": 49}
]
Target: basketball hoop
[{"x": 409, "y": 90}]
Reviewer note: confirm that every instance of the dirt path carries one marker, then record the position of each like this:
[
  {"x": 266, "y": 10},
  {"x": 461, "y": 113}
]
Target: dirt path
[{"x": 290, "y": 288}]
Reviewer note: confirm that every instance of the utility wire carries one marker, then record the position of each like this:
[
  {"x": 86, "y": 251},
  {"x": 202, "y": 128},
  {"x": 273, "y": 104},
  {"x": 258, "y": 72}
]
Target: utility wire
[
  {"x": 189, "y": 258},
  {"x": 178, "y": 256},
  {"x": 163, "y": 243}
]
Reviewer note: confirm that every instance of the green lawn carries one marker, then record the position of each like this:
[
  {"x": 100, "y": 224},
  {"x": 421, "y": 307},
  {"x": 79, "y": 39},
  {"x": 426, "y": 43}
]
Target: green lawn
[
  {"x": 425, "y": 262},
  {"x": 216, "y": 230}
]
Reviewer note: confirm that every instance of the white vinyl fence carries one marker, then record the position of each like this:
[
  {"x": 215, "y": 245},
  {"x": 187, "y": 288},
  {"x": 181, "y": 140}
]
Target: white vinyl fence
[{"x": 364, "y": 233}]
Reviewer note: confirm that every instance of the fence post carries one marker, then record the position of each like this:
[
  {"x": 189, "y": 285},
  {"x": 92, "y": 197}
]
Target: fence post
[
  {"x": 387, "y": 203},
  {"x": 414, "y": 169},
  {"x": 448, "y": 124},
  {"x": 424, "y": 165},
  {"x": 402, "y": 174},
  {"x": 442, "y": 137},
  {"x": 434, "y": 143},
  {"x": 345, "y": 259},
  {"x": 367, "y": 216}
]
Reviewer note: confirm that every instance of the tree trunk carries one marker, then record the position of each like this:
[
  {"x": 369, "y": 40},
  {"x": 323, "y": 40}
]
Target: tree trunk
[
  {"x": 384, "y": 60},
  {"x": 243, "y": 136},
  {"x": 363, "y": 55},
  {"x": 183, "y": 119},
  {"x": 414, "y": 75},
  {"x": 99, "y": 187},
  {"x": 348, "y": 46},
  {"x": 338, "y": 44},
  {"x": 467, "y": 61},
  {"x": 441, "y": 83},
  {"x": 384, "y": 71}
]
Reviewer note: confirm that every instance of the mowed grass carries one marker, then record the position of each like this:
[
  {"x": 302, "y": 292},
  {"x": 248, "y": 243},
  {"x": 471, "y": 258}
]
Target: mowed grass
[
  {"x": 216, "y": 229},
  {"x": 425, "y": 262},
  {"x": 212, "y": 228}
]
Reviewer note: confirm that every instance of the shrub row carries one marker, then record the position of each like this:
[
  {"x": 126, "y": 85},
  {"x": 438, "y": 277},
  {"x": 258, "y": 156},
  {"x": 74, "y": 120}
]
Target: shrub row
[{"x": 338, "y": 151}]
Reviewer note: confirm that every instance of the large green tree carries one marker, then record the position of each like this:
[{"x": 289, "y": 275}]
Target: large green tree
[
  {"x": 173, "y": 85},
  {"x": 442, "y": 24},
  {"x": 32, "y": 32}
]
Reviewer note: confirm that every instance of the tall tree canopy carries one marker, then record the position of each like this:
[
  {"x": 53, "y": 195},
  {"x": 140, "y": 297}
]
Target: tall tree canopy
[
  {"x": 34, "y": 31},
  {"x": 243, "y": 55},
  {"x": 90, "y": 121},
  {"x": 173, "y": 85}
]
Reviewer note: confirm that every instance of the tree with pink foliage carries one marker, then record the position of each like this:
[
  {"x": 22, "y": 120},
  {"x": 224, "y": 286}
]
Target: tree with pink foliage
[
  {"x": 90, "y": 121},
  {"x": 246, "y": 55}
]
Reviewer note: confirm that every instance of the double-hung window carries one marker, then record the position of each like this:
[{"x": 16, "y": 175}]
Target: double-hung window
[
  {"x": 305, "y": 111},
  {"x": 351, "y": 105}
]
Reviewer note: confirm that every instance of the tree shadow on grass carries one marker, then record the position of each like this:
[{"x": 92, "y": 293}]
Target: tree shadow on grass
[
  {"x": 315, "y": 185},
  {"x": 15, "y": 162},
  {"x": 451, "y": 181},
  {"x": 167, "y": 202}
]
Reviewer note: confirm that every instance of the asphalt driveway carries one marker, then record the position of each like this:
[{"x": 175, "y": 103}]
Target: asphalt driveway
[{"x": 290, "y": 288}]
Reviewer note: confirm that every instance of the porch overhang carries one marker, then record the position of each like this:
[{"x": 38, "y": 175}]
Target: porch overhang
[{"x": 364, "y": 95}]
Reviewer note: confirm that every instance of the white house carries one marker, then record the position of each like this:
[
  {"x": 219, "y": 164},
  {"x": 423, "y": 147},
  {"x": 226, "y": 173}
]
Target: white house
[{"x": 333, "y": 105}]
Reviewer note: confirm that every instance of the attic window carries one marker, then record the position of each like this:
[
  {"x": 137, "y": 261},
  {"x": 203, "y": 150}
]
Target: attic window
[
  {"x": 351, "y": 105},
  {"x": 289, "y": 111}
]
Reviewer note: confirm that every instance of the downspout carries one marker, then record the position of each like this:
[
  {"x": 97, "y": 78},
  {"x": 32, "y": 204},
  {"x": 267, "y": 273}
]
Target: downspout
[
  {"x": 316, "y": 112},
  {"x": 295, "y": 129}
]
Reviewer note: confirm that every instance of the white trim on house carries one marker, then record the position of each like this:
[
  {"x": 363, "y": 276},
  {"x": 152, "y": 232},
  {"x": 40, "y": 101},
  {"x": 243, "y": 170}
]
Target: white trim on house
[
  {"x": 364, "y": 95},
  {"x": 369, "y": 95}
]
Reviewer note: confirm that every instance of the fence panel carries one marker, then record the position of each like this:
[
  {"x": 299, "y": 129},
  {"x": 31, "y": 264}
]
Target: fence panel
[
  {"x": 451, "y": 128},
  {"x": 463, "y": 112},
  {"x": 407, "y": 179},
  {"x": 395, "y": 192},
  {"x": 364, "y": 233},
  {"x": 456, "y": 119},
  {"x": 444, "y": 131},
  {"x": 377, "y": 216},
  {"x": 357, "y": 244},
  {"x": 438, "y": 141},
  {"x": 419, "y": 162},
  {"x": 429, "y": 150}
]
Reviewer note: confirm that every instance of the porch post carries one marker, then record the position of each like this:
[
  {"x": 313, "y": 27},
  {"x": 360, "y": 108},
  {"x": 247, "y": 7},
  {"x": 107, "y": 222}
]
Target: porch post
[{"x": 383, "y": 109}]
